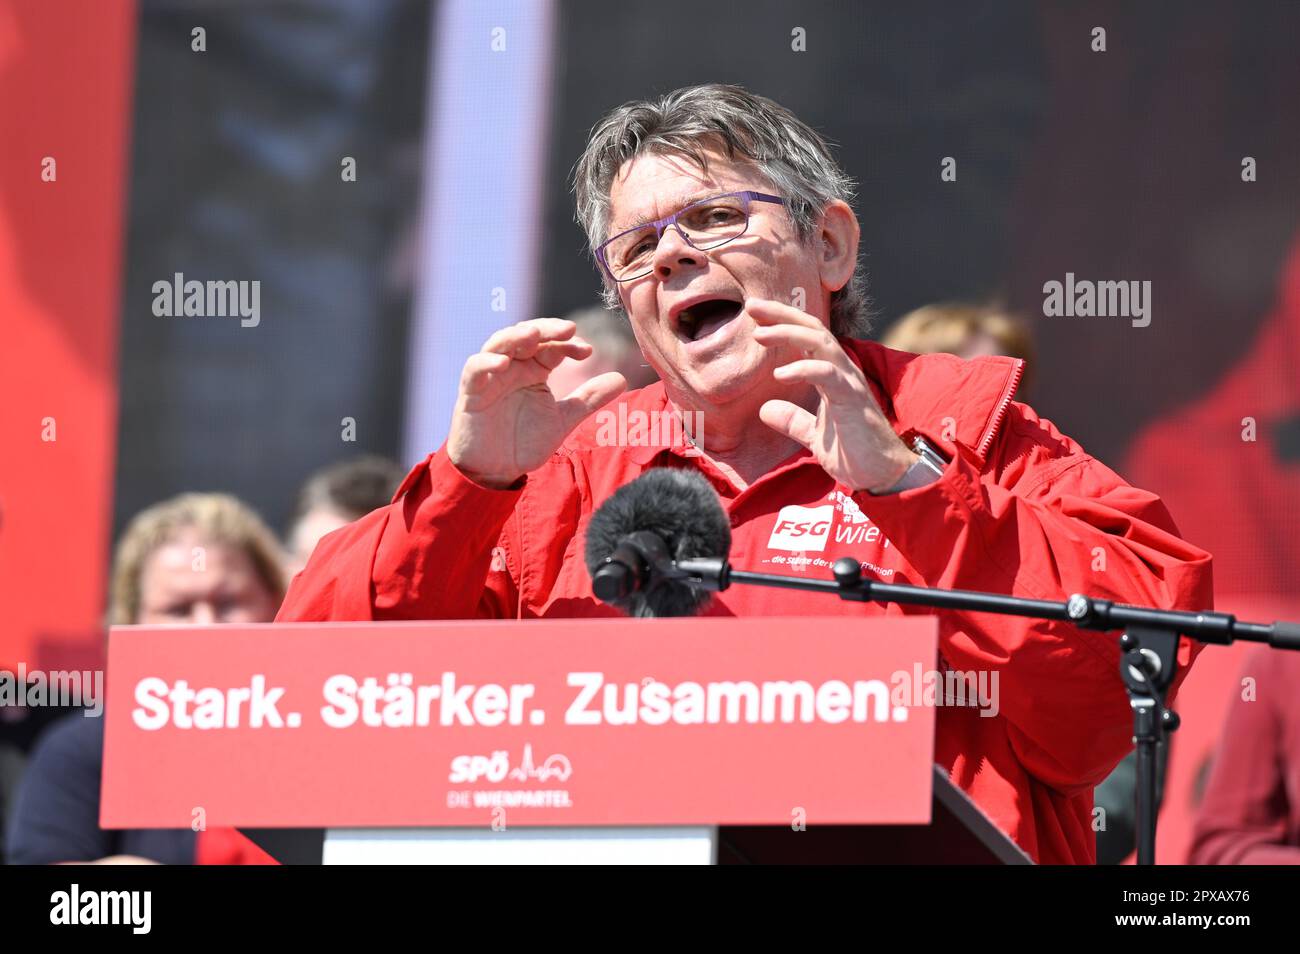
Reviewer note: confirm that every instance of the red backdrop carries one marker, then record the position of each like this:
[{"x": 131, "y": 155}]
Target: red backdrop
[{"x": 66, "y": 72}]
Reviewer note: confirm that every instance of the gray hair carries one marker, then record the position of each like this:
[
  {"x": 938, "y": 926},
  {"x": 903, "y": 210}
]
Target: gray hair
[{"x": 793, "y": 157}]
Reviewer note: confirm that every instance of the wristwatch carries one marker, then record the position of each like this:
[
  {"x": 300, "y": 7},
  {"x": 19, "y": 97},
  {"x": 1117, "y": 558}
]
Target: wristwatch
[{"x": 926, "y": 470}]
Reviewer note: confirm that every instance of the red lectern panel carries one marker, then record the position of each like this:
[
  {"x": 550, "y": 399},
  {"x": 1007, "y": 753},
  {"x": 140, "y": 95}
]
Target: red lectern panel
[{"x": 546, "y": 722}]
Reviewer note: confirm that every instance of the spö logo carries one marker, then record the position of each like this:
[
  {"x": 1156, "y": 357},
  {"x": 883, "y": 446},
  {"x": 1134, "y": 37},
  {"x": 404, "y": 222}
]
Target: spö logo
[{"x": 802, "y": 528}]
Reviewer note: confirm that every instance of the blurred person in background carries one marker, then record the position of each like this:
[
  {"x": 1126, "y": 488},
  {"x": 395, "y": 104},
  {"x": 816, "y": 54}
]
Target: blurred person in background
[
  {"x": 1242, "y": 498},
  {"x": 196, "y": 559},
  {"x": 1250, "y": 814},
  {"x": 336, "y": 495},
  {"x": 966, "y": 330},
  {"x": 613, "y": 348}
]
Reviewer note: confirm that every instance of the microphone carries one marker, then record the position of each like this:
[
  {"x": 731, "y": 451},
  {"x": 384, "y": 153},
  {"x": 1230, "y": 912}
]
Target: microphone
[{"x": 659, "y": 544}]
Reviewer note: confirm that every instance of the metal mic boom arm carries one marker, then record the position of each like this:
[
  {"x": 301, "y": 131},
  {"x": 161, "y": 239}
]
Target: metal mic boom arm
[
  {"x": 1149, "y": 644},
  {"x": 1082, "y": 611}
]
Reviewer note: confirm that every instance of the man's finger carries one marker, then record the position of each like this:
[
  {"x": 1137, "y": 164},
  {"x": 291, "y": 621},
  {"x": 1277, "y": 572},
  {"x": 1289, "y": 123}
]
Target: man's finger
[
  {"x": 477, "y": 375},
  {"x": 591, "y": 396},
  {"x": 791, "y": 420},
  {"x": 521, "y": 340},
  {"x": 551, "y": 353},
  {"x": 523, "y": 373},
  {"x": 813, "y": 342},
  {"x": 506, "y": 340},
  {"x": 764, "y": 311},
  {"x": 840, "y": 385},
  {"x": 823, "y": 374}
]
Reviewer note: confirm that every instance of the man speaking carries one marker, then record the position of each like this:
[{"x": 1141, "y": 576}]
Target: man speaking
[{"x": 721, "y": 224}]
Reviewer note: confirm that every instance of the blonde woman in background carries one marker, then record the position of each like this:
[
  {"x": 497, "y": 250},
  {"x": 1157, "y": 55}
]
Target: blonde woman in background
[
  {"x": 966, "y": 330},
  {"x": 196, "y": 559}
]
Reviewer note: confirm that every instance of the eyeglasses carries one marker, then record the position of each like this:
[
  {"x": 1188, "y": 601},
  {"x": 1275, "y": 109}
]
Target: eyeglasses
[{"x": 703, "y": 225}]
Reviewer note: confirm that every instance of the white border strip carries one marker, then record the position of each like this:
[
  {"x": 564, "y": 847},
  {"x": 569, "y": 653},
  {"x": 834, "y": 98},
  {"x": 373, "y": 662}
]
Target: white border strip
[{"x": 487, "y": 119}]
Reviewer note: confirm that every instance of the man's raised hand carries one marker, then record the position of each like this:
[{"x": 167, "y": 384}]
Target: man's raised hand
[
  {"x": 848, "y": 434},
  {"x": 507, "y": 422}
]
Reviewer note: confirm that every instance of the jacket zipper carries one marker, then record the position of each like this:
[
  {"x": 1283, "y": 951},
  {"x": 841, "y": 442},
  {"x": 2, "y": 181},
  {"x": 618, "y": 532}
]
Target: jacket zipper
[{"x": 1001, "y": 412}]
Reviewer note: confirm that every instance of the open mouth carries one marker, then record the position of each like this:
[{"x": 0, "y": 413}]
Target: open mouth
[{"x": 705, "y": 317}]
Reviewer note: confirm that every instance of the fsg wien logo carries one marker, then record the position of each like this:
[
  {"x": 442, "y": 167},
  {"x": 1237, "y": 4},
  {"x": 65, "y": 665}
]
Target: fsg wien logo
[{"x": 802, "y": 528}]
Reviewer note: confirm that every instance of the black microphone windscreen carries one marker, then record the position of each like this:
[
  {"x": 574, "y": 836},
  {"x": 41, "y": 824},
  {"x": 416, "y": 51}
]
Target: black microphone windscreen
[{"x": 683, "y": 509}]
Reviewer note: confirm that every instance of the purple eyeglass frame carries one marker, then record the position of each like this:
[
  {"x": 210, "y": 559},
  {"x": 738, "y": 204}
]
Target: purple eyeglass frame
[{"x": 662, "y": 225}]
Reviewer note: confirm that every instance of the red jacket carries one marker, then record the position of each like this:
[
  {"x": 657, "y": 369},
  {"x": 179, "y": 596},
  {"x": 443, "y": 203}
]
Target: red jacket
[{"x": 1020, "y": 509}]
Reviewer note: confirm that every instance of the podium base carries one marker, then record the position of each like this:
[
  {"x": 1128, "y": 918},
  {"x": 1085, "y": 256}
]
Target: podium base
[
  {"x": 523, "y": 846},
  {"x": 959, "y": 833}
]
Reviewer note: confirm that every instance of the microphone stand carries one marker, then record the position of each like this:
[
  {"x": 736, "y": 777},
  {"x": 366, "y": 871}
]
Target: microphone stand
[{"x": 1149, "y": 641}]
